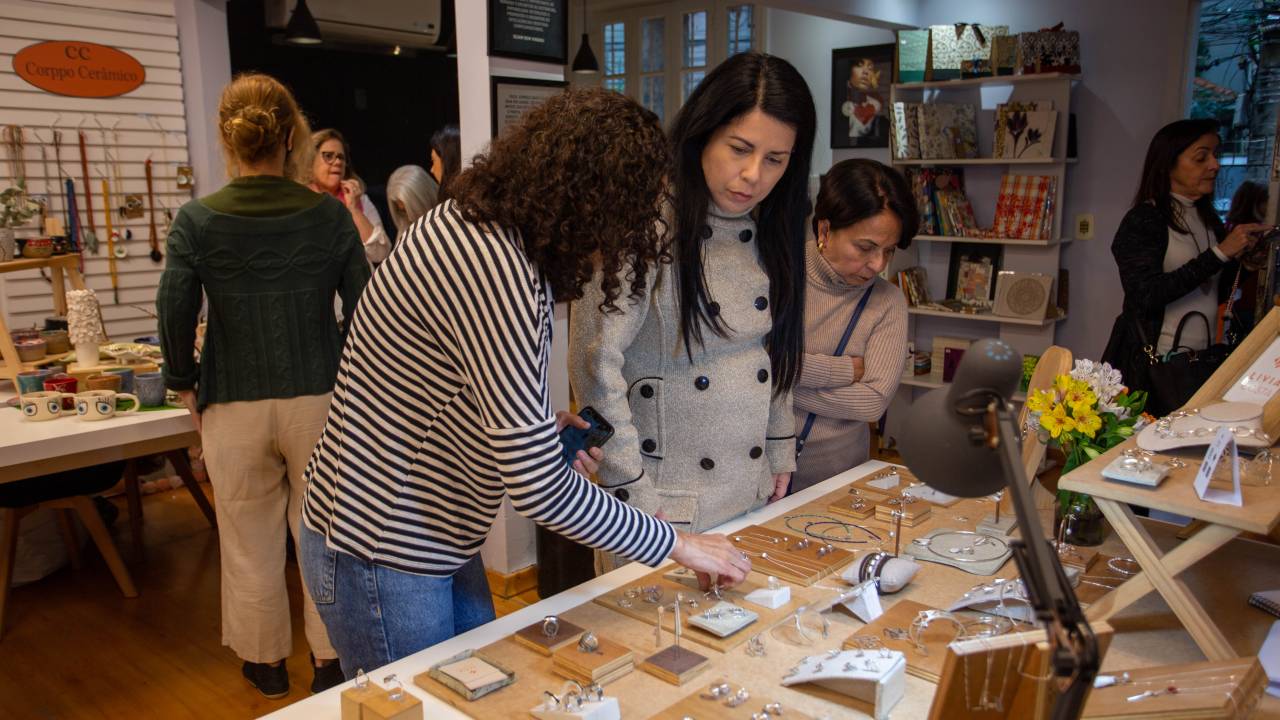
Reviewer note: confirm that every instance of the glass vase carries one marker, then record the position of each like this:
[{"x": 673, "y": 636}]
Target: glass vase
[{"x": 1080, "y": 522}]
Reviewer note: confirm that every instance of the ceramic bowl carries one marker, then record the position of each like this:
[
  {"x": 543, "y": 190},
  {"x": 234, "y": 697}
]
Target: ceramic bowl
[
  {"x": 56, "y": 341},
  {"x": 38, "y": 248},
  {"x": 31, "y": 350},
  {"x": 103, "y": 382}
]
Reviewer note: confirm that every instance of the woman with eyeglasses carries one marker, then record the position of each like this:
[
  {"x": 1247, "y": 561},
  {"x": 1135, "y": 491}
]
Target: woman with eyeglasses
[
  {"x": 855, "y": 321},
  {"x": 331, "y": 174}
]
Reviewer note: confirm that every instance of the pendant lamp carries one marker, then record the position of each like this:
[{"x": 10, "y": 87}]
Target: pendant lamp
[
  {"x": 302, "y": 28},
  {"x": 584, "y": 63}
]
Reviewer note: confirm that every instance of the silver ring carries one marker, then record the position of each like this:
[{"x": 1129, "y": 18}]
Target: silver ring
[
  {"x": 394, "y": 695},
  {"x": 362, "y": 680},
  {"x": 550, "y": 626}
]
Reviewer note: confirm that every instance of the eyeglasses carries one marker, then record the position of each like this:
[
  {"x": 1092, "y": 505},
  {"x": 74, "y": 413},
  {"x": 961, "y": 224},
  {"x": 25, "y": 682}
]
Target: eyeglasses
[{"x": 330, "y": 158}]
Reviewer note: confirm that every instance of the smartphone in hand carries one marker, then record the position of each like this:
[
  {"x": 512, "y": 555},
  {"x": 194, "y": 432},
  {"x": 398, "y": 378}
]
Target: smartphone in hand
[{"x": 574, "y": 439}]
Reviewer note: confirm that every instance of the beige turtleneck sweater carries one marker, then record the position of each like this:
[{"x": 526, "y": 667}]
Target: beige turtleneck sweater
[{"x": 840, "y": 437}]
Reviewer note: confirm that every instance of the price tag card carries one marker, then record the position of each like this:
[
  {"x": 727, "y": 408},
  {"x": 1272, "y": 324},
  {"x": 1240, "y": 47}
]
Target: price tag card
[{"x": 1217, "y": 449}]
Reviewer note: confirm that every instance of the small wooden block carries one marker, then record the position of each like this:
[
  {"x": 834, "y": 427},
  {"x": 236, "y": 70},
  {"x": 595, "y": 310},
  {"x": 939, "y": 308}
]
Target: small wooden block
[
  {"x": 532, "y": 637},
  {"x": 936, "y": 638},
  {"x": 914, "y": 512},
  {"x": 382, "y": 707},
  {"x": 676, "y": 665},
  {"x": 851, "y": 509},
  {"x": 572, "y": 662},
  {"x": 1078, "y": 557},
  {"x": 353, "y": 700}
]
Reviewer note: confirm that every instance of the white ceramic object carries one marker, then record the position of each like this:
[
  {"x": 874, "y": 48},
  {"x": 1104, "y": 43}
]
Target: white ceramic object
[
  {"x": 876, "y": 677},
  {"x": 101, "y": 404},
  {"x": 43, "y": 405}
]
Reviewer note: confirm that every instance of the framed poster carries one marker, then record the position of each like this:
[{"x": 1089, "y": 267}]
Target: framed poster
[
  {"x": 529, "y": 30},
  {"x": 860, "y": 80},
  {"x": 510, "y": 98}
]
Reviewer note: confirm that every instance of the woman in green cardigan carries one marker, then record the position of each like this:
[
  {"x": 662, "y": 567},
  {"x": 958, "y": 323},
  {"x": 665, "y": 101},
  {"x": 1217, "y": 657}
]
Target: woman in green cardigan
[{"x": 270, "y": 255}]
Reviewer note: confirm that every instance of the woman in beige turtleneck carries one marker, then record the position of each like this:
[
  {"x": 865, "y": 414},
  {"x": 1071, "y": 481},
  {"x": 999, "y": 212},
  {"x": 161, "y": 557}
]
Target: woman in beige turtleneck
[{"x": 863, "y": 214}]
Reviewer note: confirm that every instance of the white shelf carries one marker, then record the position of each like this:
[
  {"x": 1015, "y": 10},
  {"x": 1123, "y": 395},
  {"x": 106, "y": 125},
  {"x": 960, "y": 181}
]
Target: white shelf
[
  {"x": 996, "y": 80},
  {"x": 992, "y": 241},
  {"x": 934, "y": 381},
  {"x": 984, "y": 317},
  {"x": 983, "y": 161}
]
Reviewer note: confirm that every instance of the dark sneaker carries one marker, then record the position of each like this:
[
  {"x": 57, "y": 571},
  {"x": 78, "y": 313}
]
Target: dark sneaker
[
  {"x": 271, "y": 680},
  {"x": 326, "y": 676}
]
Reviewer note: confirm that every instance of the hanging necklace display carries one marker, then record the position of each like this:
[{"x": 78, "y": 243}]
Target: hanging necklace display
[
  {"x": 154, "y": 237},
  {"x": 89, "y": 236},
  {"x": 131, "y": 208},
  {"x": 51, "y": 223},
  {"x": 164, "y": 162},
  {"x": 14, "y": 144},
  {"x": 112, "y": 248}
]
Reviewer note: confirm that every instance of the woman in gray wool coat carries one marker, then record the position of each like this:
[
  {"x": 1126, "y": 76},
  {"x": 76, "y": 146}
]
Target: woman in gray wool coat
[{"x": 695, "y": 374}]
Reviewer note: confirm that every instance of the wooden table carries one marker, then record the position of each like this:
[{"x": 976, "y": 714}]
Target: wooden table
[
  {"x": 31, "y": 449},
  {"x": 1259, "y": 514}
]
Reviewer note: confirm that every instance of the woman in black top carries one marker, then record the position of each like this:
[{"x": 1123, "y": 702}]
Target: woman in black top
[{"x": 1171, "y": 250}]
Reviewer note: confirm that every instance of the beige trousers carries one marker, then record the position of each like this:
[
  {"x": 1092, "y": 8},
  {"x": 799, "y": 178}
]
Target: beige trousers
[{"x": 256, "y": 453}]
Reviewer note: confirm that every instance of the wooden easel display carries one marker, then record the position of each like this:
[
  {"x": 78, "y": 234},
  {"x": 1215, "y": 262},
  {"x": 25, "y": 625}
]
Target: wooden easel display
[{"x": 57, "y": 265}]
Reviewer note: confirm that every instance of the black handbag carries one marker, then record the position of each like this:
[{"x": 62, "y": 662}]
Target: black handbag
[{"x": 1174, "y": 378}]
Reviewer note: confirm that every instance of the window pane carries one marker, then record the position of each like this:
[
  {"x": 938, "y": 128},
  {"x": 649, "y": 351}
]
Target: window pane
[
  {"x": 652, "y": 90},
  {"x": 740, "y": 29},
  {"x": 651, "y": 45},
  {"x": 695, "y": 39},
  {"x": 618, "y": 85},
  {"x": 691, "y": 80},
  {"x": 614, "y": 49}
]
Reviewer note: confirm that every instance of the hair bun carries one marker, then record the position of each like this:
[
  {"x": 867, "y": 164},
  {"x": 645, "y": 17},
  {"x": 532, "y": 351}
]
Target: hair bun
[{"x": 252, "y": 130}]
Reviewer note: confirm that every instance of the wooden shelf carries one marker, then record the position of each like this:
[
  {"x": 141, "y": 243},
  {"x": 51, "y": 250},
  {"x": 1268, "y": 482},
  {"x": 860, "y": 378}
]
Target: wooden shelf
[
  {"x": 933, "y": 382},
  {"x": 984, "y": 161},
  {"x": 996, "y": 80},
  {"x": 985, "y": 317},
  {"x": 36, "y": 263},
  {"x": 991, "y": 241}
]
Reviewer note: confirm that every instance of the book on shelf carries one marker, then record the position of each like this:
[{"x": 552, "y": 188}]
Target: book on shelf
[
  {"x": 1266, "y": 600},
  {"x": 948, "y": 131},
  {"x": 906, "y": 131},
  {"x": 971, "y": 276},
  {"x": 925, "y": 184},
  {"x": 915, "y": 285},
  {"x": 955, "y": 214},
  {"x": 1008, "y": 138},
  {"x": 911, "y": 59},
  {"x": 1025, "y": 207}
]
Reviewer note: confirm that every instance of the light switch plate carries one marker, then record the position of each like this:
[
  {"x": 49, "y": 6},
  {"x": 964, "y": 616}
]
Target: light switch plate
[{"x": 1084, "y": 226}]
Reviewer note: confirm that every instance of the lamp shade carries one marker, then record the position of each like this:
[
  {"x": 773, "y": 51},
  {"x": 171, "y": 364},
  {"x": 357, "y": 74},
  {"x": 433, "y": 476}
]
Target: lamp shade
[
  {"x": 585, "y": 61},
  {"x": 302, "y": 28}
]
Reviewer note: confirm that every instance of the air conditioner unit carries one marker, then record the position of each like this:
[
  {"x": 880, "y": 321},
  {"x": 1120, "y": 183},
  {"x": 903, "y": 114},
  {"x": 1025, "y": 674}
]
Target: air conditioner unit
[{"x": 407, "y": 23}]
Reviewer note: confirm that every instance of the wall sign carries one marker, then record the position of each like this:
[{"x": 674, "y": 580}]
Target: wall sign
[
  {"x": 79, "y": 69},
  {"x": 510, "y": 98},
  {"x": 529, "y": 30}
]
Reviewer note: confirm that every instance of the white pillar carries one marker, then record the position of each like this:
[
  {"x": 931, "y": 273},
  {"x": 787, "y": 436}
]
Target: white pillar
[
  {"x": 510, "y": 545},
  {"x": 206, "y": 69}
]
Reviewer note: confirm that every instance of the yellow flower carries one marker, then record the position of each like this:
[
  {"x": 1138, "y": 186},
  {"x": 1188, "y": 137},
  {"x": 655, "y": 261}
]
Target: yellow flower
[
  {"x": 1062, "y": 383},
  {"x": 1041, "y": 401},
  {"x": 1087, "y": 422},
  {"x": 1057, "y": 421},
  {"x": 1080, "y": 400}
]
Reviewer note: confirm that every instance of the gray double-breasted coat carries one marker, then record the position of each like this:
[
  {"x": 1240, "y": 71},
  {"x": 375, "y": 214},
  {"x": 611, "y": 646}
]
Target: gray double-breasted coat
[{"x": 699, "y": 440}]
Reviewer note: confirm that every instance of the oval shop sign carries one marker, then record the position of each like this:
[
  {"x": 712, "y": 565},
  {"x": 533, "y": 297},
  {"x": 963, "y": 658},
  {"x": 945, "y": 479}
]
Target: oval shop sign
[{"x": 79, "y": 69}]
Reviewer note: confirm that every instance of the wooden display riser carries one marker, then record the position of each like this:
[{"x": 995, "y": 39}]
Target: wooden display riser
[
  {"x": 648, "y": 612},
  {"x": 696, "y": 706}
]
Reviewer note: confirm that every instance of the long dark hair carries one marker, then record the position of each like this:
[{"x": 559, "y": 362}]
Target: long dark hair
[
  {"x": 1245, "y": 203},
  {"x": 733, "y": 89},
  {"x": 447, "y": 142},
  {"x": 854, "y": 190},
  {"x": 1156, "y": 187}
]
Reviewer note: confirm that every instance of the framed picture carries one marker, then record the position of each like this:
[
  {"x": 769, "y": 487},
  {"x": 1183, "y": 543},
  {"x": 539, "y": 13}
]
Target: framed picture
[
  {"x": 510, "y": 98},
  {"x": 972, "y": 276},
  {"x": 529, "y": 30},
  {"x": 860, "y": 79}
]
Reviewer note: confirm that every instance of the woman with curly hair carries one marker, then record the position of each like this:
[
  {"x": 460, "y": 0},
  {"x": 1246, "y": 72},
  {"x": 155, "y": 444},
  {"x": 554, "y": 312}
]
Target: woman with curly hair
[
  {"x": 442, "y": 405},
  {"x": 695, "y": 372}
]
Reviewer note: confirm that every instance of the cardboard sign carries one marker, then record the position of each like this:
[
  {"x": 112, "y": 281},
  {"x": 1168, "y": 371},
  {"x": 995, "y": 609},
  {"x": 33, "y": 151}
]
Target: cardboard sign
[
  {"x": 79, "y": 69},
  {"x": 1221, "y": 441}
]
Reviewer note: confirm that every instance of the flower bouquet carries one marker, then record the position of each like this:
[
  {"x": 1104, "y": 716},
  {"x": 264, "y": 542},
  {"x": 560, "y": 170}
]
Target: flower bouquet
[{"x": 1084, "y": 414}]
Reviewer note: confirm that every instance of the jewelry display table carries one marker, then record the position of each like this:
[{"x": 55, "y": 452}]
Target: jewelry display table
[
  {"x": 1143, "y": 637},
  {"x": 1259, "y": 514}
]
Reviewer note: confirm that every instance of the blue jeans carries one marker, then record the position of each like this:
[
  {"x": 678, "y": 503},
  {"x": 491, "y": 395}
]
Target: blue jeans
[{"x": 376, "y": 615}]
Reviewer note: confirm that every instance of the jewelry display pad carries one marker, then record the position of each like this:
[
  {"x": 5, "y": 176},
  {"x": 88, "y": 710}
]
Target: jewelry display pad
[
  {"x": 458, "y": 687},
  {"x": 533, "y": 638},
  {"x": 965, "y": 550},
  {"x": 721, "y": 619},
  {"x": 899, "y": 616},
  {"x": 882, "y": 482},
  {"x": 855, "y": 507},
  {"x": 796, "y": 558},
  {"x": 608, "y": 663},
  {"x": 672, "y": 582},
  {"x": 914, "y": 510},
  {"x": 1226, "y": 689},
  {"x": 695, "y": 705}
]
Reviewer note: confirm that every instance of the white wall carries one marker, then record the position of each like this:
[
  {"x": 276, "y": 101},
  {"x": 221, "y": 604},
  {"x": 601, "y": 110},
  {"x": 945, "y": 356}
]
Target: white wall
[
  {"x": 206, "y": 69},
  {"x": 1134, "y": 56},
  {"x": 806, "y": 41}
]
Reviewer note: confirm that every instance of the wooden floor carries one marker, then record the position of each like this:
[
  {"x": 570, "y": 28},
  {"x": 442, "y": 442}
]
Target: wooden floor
[{"x": 74, "y": 647}]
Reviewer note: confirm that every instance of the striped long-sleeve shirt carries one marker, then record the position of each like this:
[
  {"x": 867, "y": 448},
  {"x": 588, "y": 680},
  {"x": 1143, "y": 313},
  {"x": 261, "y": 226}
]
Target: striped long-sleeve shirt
[{"x": 441, "y": 408}]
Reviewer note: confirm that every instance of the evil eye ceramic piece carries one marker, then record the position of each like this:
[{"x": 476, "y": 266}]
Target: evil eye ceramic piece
[
  {"x": 82, "y": 407},
  {"x": 29, "y": 409},
  {"x": 103, "y": 408},
  {"x": 55, "y": 406}
]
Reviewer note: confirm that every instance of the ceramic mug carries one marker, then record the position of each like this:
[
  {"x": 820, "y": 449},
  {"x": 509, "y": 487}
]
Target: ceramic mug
[
  {"x": 126, "y": 378},
  {"x": 101, "y": 404},
  {"x": 30, "y": 381},
  {"x": 102, "y": 381},
  {"x": 40, "y": 406},
  {"x": 64, "y": 384},
  {"x": 149, "y": 388}
]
